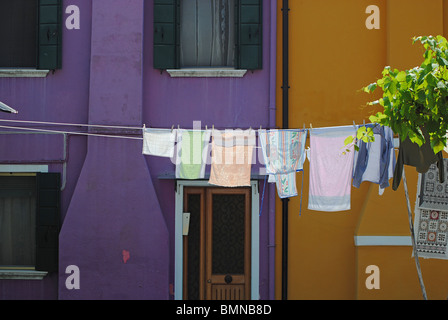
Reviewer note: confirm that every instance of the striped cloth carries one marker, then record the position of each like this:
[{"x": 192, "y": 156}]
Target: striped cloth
[{"x": 284, "y": 155}]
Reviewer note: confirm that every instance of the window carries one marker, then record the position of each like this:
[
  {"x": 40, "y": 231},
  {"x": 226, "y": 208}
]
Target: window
[
  {"x": 17, "y": 220},
  {"x": 207, "y": 36},
  {"x": 30, "y": 34},
  {"x": 208, "y": 33},
  {"x": 29, "y": 221}
]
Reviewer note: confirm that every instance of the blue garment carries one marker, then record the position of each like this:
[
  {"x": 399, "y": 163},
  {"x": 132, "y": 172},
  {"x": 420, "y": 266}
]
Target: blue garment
[{"x": 380, "y": 151}]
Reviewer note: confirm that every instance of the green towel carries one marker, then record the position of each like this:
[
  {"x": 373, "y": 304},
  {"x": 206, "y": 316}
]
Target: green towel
[{"x": 192, "y": 164}]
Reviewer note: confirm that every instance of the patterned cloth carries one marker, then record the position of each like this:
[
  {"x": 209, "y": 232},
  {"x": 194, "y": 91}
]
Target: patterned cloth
[
  {"x": 232, "y": 158},
  {"x": 284, "y": 155},
  {"x": 431, "y": 214},
  {"x": 331, "y": 169},
  {"x": 432, "y": 193},
  {"x": 192, "y": 148},
  {"x": 159, "y": 142},
  {"x": 431, "y": 232}
]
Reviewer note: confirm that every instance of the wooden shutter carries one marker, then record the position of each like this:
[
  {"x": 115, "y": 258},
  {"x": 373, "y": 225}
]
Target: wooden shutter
[
  {"x": 49, "y": 50},
  {"x": 166, "y": 34},
  {"x": 249, "y": 34},
  {"x": 47, "y": 221}
]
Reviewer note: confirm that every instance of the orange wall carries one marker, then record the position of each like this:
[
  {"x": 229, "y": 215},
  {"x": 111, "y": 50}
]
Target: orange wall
[{"x": 332, "y": 55}]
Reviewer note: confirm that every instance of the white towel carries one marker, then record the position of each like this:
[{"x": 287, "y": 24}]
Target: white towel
[
  {"x": 331, "y": 169},
  {"x": 159, "y": 142}
]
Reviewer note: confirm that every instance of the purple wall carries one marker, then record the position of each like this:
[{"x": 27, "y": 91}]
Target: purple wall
[
  {"x": 222, "y": 102},
  {"x": 114, "y": 208},
  {"x": 59, "y": 97},
  {"x": 113, "y": 200}
]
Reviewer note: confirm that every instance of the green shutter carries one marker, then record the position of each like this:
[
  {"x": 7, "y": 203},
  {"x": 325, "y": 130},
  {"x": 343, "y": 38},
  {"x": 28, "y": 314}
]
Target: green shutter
[
  {"x": 249, "y": 34},
  {"x": 49, "y": 49},
  {"x": 166, "y": 34},
  {"x": 47, "y": 221}
]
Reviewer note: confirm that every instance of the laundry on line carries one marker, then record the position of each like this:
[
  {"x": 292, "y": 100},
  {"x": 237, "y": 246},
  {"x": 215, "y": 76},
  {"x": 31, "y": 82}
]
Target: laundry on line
[{"x": 374, "y": 162}]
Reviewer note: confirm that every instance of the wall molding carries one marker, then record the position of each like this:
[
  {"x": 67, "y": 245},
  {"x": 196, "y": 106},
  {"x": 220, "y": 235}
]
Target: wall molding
[{"x": 361, "y": 241}]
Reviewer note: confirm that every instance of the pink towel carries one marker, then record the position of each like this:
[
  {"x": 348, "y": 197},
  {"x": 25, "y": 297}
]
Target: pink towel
[
  {"x": 232, "y": 158},
  {"x": 330, "y": 169}
]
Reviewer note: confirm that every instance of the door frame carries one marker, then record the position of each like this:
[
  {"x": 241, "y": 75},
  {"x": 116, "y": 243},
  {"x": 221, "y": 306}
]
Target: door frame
[{"x": 178, "y": 237}]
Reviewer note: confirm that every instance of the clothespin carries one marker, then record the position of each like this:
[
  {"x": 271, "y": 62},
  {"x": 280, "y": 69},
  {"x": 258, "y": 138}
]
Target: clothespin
[
  {"x": 172, "y": 128},
  {"x": 354, "y": 124},
  {"x": 311, "y": 127}
]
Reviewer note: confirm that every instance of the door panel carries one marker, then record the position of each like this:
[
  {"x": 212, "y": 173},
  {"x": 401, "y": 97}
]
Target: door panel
[
  {"x": 218, "y": 242},
  {"x": 228, "y": 241},
  {"x": 225, "y": 292},
  {"x": 194, "y": 202}
]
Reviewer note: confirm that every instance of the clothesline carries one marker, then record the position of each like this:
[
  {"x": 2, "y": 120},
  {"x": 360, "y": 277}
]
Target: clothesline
[
  {"x": 68, "y": 124},
  {"x": 250, "y": 128},
  {"x": 71, "y": 132},
  {"x": 310, "y": 129},
  {"x": 159, "y": 128}
]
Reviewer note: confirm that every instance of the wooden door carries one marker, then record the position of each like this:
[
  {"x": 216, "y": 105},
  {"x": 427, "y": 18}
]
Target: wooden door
[{"x": 217, "y": 247}]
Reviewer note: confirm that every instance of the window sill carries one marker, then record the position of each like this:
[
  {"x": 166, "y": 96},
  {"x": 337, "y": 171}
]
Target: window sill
[
  {"x": 22, "y": 274},
  {"x": 23, "y": 73},
  {"x": 207, "y": 73}
]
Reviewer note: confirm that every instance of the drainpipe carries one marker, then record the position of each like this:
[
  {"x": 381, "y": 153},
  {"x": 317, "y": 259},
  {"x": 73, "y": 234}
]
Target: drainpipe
[
  {"x": 285, "y": 87},
  {"x": 272, "y": 123}
]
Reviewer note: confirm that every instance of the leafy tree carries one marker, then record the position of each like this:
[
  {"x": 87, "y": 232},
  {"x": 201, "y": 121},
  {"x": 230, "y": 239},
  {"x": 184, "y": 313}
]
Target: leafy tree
[
  {"x": 414, "y": 101},
  {"x": 416, "y": 98}
]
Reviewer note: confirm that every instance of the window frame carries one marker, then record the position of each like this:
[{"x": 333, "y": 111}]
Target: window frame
[
  {"x": 166, "y": 41},
  {"x": 40, "y": 268},
  {"x": 32, "y": 226},
  {"x": 48, "y": 43}
]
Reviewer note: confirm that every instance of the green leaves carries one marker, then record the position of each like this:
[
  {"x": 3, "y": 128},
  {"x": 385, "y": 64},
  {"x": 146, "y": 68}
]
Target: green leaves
[
  {"x": 401, "y": 76},
  {"x": 363, "y": 133},
  {"x": 416, "y": 97},
  {"x": 371, "y": 87},
  {"x": 349, "y": 140}
]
